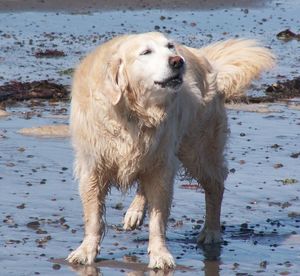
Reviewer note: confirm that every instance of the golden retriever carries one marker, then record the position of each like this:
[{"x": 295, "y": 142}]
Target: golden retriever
[{"x": 141, "y": 106}]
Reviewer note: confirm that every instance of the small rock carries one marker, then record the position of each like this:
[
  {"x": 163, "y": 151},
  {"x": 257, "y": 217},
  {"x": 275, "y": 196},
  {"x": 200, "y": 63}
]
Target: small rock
[
  {"x": 289, "y": 181},
  {"x": 119, "y": 206},
  {"x": 294, "y": 215},
  {"x": 287, "y": 35},
  {"x": 277, "y": 166},
  {"x": 21, "y": 206},
  {"x": 295, "y": 155},
  {"x": 263, "y": 264},
  {"x": 33, "y": 225},
  {"x": 56, "y": 266}
]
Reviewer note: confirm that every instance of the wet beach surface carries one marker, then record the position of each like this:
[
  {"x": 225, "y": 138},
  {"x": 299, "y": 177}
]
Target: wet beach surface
[
  {"x": 91, "y": 5},
  {"x": 39, "y": 204}
]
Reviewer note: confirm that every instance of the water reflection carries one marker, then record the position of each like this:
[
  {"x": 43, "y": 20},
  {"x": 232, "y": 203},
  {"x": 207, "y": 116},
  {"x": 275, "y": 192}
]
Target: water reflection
[
  {"x": 211, "y": 253},
  {"x": 150, "y": 273},
  {"x": 132, "y": 266},
  {"x": 211, "y": 266},
  {"x": 87, "y": 270},
  {"x": 84, "y": 270}
]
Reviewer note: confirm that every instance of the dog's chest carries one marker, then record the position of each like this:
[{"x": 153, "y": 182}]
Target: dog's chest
[{"x": 140, "y": 151}]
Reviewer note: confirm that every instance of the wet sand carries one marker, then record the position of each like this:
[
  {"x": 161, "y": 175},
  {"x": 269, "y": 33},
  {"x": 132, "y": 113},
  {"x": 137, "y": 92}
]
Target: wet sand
[
  {"x": 41, "y": 210},
  {"x": 92, "y": 5}
]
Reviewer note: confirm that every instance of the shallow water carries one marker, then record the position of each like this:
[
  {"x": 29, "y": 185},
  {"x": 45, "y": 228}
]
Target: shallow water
[{"x": 39, "y": 203}]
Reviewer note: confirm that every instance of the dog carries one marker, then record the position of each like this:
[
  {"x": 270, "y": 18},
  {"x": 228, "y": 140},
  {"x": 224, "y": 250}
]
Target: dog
[{"x": 142, "y": 106}]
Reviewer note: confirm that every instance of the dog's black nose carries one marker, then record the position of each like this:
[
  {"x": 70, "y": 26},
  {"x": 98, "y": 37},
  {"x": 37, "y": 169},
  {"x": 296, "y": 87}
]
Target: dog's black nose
[{"x": 176, "y": 62}]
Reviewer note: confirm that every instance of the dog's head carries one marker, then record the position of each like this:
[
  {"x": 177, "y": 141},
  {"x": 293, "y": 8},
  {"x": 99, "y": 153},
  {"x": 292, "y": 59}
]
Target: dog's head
[{"x": 145, "y": 68}]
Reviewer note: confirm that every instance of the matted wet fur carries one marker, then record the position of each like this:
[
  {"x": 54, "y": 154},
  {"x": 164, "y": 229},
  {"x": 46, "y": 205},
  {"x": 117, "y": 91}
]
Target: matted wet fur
[{"x": 141, "y": 105}]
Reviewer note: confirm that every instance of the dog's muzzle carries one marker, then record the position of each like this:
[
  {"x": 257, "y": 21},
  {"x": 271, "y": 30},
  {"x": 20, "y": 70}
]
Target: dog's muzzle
[
  {"x": 171, "y": 82},
  {"x": 176, "y": 63}
]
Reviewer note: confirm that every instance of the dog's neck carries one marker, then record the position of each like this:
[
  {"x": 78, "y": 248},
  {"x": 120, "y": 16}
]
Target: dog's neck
[
  {"x": 140, "y": 118},
  {"x": 139, "y": 113}
]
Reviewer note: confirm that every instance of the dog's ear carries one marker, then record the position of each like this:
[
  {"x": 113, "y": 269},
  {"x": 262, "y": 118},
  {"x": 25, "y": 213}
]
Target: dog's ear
[{"x": 117, "y": 80}]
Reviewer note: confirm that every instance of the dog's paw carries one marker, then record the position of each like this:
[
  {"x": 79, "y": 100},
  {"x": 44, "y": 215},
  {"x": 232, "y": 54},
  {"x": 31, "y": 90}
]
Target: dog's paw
[
  {"x": 161, "y": 259},
  {"x": 86, "y": 252},
  {"x": 133, "y": 219},
  {"x": 208, "y": 236}
]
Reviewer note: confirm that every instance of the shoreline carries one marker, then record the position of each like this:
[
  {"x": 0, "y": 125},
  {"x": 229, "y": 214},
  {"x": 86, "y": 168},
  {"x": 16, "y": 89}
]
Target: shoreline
[{"x": 106, "y": 5}]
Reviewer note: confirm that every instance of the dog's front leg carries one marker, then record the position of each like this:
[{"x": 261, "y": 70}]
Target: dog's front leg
[
  {"x": 158, "y": 189},
  {"x": 92, "y": 193}
]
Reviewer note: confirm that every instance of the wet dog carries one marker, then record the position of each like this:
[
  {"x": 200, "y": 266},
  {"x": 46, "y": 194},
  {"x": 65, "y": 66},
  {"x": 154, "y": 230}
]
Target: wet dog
[{"x": 141, "y": 106}]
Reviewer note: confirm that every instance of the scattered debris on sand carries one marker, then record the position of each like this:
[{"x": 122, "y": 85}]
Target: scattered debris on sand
[
  {"x": 287, "y": 35},
  {"x": 44, "y": 89},
  {"x": 278, "y": 91},
  {"x": 284, "y": 89},
  {"x": 49, "y": 54}
]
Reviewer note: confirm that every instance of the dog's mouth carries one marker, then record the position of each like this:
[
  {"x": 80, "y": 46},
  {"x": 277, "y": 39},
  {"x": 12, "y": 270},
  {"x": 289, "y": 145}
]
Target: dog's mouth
[{"x": 172, "y": 82}]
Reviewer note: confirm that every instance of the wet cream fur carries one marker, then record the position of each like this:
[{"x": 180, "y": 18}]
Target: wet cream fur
[{"x": 127, "y": 129}]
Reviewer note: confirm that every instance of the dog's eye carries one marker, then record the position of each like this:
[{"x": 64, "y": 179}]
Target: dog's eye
[
  {"x": 170, "y": 46},
  {"x": 146, "y": 52}
]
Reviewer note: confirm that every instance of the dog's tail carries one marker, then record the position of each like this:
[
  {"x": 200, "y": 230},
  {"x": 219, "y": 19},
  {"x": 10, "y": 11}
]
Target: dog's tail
[{"x": 238, "y": 62}]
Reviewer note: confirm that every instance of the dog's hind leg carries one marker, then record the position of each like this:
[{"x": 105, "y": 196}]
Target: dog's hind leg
[
  {"x": 201, "y": 153},
  {"x": 136, "y": 212},
  {"x": 211, "y": 177},
  {"x": 211, "y": 232}
]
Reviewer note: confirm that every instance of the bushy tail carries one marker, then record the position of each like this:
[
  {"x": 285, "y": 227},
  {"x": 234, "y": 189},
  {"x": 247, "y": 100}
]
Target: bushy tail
[{"x": 238, "y": 62}]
